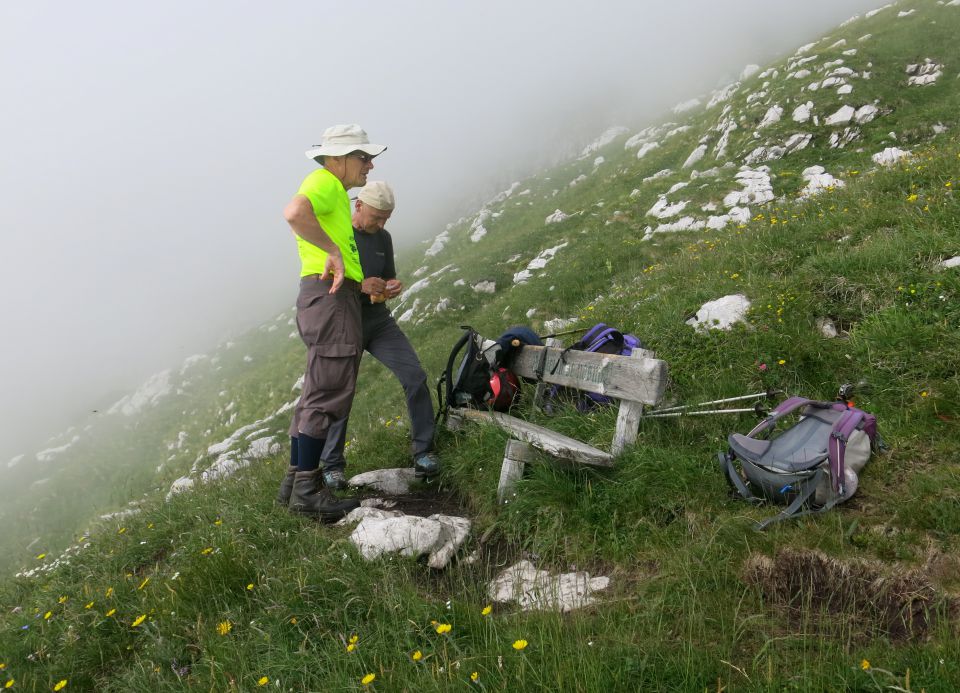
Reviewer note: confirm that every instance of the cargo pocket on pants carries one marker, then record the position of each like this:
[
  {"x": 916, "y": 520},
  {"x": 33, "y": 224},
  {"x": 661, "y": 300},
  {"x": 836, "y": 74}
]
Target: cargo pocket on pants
[{"x": 329, "y": 384}]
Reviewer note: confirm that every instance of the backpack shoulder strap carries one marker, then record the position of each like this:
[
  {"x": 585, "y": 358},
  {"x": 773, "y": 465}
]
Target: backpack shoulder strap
[
  {"x": 589, "y": 336},
  {"x": 793, "y": 510},
  {"x": 734, "y": 479},
  {"x": 837, "y": 446},
  {"x": 608, "y": 334},
  {"x": 447, "y": 378}
]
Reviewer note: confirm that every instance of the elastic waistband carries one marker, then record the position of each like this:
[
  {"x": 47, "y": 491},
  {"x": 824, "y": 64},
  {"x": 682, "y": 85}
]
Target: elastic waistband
[{"x": 315, "y": 279}]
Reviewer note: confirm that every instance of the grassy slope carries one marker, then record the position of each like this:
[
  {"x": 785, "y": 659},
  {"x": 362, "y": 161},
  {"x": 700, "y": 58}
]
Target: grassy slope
[{"x": 681, "y": 613}]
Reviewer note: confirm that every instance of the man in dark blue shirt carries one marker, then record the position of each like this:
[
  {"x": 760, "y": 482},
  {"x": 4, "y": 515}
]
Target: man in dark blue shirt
[{"x": 382, "y": 337}]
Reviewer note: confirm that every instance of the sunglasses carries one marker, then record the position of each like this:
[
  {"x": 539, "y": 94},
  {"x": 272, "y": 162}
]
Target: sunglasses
[{"x": 363, "y": 156}]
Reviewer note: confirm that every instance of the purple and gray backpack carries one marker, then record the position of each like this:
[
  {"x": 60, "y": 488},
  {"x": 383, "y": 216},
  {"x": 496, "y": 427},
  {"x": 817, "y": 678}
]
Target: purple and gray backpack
[{"x": 813, "y": 464}]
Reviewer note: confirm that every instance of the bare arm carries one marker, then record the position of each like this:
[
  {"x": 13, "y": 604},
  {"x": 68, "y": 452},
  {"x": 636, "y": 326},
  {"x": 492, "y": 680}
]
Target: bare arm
[{"x": 299, "y": 214}]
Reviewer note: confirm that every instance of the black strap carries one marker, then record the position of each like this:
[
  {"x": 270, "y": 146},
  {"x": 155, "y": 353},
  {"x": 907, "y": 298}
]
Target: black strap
[
  {"x": 541, "y": 364},
  {"x": 447, "y": 377}
]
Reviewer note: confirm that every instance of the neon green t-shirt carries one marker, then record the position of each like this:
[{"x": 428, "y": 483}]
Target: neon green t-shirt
[{"x": 331, "y": 206}]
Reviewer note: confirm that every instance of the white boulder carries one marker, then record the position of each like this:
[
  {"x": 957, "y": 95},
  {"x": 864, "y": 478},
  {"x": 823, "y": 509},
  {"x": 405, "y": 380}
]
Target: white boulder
[
  {"x": 535, "y": 589},
  {"x": 721, "y": 314},
  {"x": 384, "y": 531}
]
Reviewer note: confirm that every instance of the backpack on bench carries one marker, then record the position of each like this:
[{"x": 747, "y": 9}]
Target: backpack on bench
[
  {"x": 813, "y": 464},
  {"x": 600, "y": 339},
  {"x": 481, "y": 381}
]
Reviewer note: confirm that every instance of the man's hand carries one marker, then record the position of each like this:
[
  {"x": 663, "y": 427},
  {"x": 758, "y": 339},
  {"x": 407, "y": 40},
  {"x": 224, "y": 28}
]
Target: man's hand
[
  {"x": 393, "y": 288},
  {"x": 373, "y": 286},
  {"x": 333, "y": 267}
]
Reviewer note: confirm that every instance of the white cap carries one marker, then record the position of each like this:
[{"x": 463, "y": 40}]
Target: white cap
[
  {"x": 339, "y": 140},
  {"x": 377, "y": 194}
]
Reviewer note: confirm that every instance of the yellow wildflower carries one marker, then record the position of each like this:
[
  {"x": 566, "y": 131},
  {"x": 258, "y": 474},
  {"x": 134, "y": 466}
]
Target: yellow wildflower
[
  {"x": 41, "y": 556},
  {"x": 61, "y": 600},
  {"x": 293, "y": 620},
  {"x": 368, "y": 679},
  {"x": 121, "y": 530},
  {"x": 111, "y": 612},
  {"x": 88, "y": 605},
  {"x": 109, "y": 592},
  {"x": 351, "y": 646},
  {"x": 781, "y": 362},
  {"x": 354, "y": 638},
  {"x": 140, "y": 619},
  {"x": 144, "y": 583},
  {"x": 519, "y": 644},
  {"x": 9, "y": 684},
  {"x": 150, "y": 525},
  {"x": 486, "y": 610},
  {"x": 923, "y": 394},
  {"x": 443, "y": 628},
  {"x": 416, "y": 656},
  {"x": 218, "y": 522},
  {"x": 475, "y": 676},
  {"x": 207, "y": 551},
  {"x": 224, "y": 627},
  {"x": 3, "y": 666},
  {"x": 263, "y": 681},
  {"x": 912, "y": 197},
  {"x": 47, "y": 615},
  {"x": 865, "y": 665},
  {"x": 249, "y": 586},
  {"x": 61, "y": 684}
]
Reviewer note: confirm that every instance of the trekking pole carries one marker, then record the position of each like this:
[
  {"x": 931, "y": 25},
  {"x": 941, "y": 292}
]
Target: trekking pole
[
  {"x": 717, "y": 401},
  {"x": 682, "y": 410},
  {"x": 699, "y": 412},
  {"x": 561, "y": 334}
]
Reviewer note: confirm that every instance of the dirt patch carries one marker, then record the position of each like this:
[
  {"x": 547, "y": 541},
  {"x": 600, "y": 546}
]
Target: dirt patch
[
  {"x": 865, "y": 598},
  {"x": 426, "y": 501}
]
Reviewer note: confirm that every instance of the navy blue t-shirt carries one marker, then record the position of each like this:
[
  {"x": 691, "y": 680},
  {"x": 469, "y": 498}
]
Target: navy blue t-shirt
[{"x": 376, "y": 258}]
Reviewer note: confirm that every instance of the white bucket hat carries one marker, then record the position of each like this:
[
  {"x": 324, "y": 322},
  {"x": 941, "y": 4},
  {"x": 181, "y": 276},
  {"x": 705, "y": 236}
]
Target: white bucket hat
[
  {"x": 377, "y": 194},
  {"x": 339, "y": 140}
]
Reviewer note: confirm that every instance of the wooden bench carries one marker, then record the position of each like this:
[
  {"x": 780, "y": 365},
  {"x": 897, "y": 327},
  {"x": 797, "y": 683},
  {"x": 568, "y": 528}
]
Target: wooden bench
[{"x": 636, "y": 381}]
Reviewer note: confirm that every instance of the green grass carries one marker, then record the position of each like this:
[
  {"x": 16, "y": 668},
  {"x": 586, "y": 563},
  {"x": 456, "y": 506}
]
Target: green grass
[{"x": 232, "y": 590}]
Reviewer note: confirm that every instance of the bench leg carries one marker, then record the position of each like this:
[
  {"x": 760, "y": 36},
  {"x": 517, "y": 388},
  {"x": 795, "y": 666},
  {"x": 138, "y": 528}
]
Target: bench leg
[
  {"x": 515, "y": 458},
  {"x": 628, "y": 418}
]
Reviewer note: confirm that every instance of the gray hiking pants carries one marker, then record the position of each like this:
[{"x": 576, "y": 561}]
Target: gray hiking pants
[
  {"x": 329, "y": 325},
  {"x": 390, "y": 346}
]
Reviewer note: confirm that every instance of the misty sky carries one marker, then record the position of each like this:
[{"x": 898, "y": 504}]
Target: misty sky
[{"x": 149, "y": 149}]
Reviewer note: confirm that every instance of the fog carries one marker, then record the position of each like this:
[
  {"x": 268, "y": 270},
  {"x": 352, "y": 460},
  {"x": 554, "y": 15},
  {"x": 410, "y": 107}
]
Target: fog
[{"x": 149, "y": 149}]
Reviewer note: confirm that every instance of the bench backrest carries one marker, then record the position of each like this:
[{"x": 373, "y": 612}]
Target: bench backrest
[{"x": 636, "y": 378}]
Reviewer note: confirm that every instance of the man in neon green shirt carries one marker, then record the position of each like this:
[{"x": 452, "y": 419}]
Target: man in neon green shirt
[{"x": 328, "y": 310}]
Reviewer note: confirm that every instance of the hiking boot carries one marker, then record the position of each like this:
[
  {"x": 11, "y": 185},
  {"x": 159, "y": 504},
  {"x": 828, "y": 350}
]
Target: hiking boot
[
  {"x": 286, "y": 486},
  {"x": 334, "y": 479},
  {"x": 426, "y": 465},
  {"x": 307, "y": 499}
]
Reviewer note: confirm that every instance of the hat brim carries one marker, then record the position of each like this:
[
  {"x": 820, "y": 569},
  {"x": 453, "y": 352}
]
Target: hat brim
[{"x": 344, "y": 149}]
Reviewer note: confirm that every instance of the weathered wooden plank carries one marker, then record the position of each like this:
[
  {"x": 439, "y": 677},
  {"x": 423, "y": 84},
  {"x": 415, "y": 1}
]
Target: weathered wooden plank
[
  {"x": 642, "y": 379},
  {"x": 515, "y": 458},
  {"x": 553, "y": 443}
]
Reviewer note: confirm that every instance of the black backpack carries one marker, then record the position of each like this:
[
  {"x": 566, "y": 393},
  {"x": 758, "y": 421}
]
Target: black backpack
[{"x": 481, "y": 380}]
